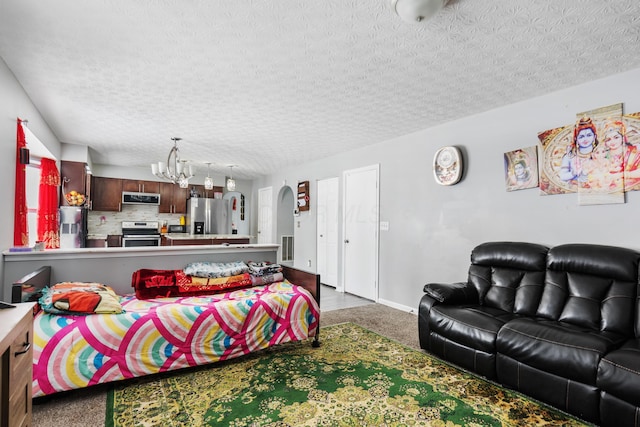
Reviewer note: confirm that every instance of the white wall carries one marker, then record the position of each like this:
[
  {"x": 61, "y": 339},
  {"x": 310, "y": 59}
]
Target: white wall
[
  {"x": 433, "y": 228},
  {"x": 15, "y": 103}
]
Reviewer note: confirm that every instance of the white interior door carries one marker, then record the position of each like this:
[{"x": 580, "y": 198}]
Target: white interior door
[
  {"x": 327, "y": 231},
  {"x": 361, "y": 225},
  {"x": 265, "y": 215}
]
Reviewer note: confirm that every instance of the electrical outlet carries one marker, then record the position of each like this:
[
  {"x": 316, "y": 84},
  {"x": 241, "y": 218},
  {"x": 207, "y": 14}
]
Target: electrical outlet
[{"x": 308, "y": 263}]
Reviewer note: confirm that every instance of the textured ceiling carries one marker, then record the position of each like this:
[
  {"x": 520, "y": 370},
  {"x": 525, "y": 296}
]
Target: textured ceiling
[{"x": 263, "y": 84}]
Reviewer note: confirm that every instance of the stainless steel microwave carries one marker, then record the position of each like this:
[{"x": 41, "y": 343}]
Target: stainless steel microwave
[{"x": 134, "y": 198}]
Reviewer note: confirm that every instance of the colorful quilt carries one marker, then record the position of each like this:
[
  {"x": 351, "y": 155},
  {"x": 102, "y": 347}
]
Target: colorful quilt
[{"x": 165, "y": 334}]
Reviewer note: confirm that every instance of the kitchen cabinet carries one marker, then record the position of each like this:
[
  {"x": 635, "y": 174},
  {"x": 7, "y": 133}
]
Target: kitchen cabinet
[
  {"x": 106, "y": 194},
  {"x": 96, "y": 243},
  {"x": 114, "y": 240},
  {"x": 173, "y": 199},
  {"x": 73, "y": 177},
  {"x": 16, "y": 365},
  {"x": 140, "y": 186}
]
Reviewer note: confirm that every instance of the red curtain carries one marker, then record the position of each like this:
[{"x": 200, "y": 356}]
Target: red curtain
[
  {"x": 48, "y": 230},
  {"x": 20, "y": 228}
]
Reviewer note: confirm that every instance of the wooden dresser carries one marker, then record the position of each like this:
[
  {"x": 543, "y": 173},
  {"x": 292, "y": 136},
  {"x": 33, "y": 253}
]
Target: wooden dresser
[{"x": 16, "y": 365}]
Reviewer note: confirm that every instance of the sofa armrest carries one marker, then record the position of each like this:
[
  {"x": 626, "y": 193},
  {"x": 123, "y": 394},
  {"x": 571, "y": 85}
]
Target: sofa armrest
[{"x": 452, "y": 293}]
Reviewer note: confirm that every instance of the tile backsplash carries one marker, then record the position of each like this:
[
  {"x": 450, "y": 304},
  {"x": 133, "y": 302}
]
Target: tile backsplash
[{"x": 104, "y": 223}]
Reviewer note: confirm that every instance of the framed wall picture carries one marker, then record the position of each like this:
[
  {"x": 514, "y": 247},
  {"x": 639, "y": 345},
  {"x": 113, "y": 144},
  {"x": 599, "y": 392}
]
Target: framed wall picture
[
  {"x": 303, "y": 196},
  {"x": 521, "y": 168},
  {"x": 447, "y": 166}
]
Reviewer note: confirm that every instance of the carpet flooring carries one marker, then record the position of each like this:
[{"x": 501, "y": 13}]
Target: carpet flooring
[
  {"x": 86, "y": 407},
  {"x": 355, "y": 378}
]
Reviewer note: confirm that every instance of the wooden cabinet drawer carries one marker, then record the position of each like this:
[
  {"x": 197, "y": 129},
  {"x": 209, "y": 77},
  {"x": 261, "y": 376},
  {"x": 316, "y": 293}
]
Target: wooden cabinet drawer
[
  {"x": 20, "y": 405},
  {"x": 17, "y": 365},
  {"x": 21, "y": 359},
  {"x": 21, "y": 368}
]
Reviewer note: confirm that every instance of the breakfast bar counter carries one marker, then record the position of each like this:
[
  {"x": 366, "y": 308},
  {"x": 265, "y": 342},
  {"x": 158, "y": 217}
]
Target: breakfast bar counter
[{"x": 114, "y": 266}]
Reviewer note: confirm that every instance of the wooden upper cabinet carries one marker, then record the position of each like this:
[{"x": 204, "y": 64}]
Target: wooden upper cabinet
[
  {"x": 106, "y": 194},
  {"x": 150, "y": 187},
  {"x": 166, "y": 197},
  {"x": 140, "y": 186},
  {"x": 73, "y": 177},
  {"x": 180, "y": 196},
  {"x": 173, "y": 199}
]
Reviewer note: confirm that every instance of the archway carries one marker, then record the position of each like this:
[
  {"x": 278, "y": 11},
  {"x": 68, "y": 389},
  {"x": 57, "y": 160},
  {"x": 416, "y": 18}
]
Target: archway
[
  {"x": 238, "y": 219},
  {"x": 285, "y": 225}
]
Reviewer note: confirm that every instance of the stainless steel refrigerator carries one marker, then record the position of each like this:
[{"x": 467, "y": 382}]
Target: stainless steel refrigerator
[
  {"x": 73, "y": 227},
  {"x": 208, "y": 216}
]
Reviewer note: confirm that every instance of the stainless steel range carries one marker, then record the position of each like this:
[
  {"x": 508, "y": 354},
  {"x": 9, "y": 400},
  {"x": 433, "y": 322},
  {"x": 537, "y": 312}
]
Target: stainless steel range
[{"x": 140, "y": 233}]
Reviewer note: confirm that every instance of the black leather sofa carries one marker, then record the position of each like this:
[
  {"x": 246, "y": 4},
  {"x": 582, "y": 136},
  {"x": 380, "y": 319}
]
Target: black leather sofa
[{"x": 559, "y": 324}]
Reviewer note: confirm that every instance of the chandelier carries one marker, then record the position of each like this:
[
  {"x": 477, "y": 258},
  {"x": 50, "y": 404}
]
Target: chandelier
[{"x": 174, "y": 170}]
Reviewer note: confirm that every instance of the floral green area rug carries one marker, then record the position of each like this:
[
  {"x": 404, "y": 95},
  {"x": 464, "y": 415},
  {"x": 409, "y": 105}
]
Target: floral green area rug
[{"x": 355, "y": 378}]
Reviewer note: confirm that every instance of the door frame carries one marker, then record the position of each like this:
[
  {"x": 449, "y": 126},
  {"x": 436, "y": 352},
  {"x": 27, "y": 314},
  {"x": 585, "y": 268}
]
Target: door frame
[
  {"x": 345, "y": 212},
  {"x": 334, "y": 181},
  {"x": 261, "y": 237}
]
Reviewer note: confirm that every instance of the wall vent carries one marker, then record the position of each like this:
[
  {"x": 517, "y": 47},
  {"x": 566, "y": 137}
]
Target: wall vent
[{"x": 286, "y": 244}]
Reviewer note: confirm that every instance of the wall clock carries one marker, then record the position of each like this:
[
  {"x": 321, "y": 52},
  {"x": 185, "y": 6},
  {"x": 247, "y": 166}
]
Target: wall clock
[{"x": 447, "y": 166}]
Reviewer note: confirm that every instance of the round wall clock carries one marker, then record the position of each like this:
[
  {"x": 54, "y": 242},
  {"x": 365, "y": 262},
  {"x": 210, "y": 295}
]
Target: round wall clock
[{"x": 447, "y": 166}]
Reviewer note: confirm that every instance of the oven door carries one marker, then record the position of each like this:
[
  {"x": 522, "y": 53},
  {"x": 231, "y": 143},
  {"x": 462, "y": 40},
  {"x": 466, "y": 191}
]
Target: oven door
[{"x": 140, "y": 241}]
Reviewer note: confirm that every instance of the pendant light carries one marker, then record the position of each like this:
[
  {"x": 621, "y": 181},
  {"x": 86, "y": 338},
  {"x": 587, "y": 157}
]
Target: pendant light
[
  {"x": 208, "y": 181},
  {"x": 231, "y": 183}
]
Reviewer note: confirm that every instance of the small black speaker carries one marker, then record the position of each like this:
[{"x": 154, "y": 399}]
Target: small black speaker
[{"x": 24, "y": 156}]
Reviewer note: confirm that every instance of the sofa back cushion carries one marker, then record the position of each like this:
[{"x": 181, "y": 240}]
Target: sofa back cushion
[
  {"x": 509, "y": 275},
  {"x": 591, "y": 286}
]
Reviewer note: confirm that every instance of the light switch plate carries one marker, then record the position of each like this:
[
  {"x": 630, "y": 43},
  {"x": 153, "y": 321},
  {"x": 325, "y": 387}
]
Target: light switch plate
[{"x": 384, "y": 225}]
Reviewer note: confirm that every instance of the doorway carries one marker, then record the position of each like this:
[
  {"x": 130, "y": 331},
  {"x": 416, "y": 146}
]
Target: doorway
[
  {"x": 327, "y": 231},
  {"x": 237, "y": 216},
  {"x": 265, "y": 215},
  {"x": 285, "y": 225},
  {"x": 361, "y": 225}
]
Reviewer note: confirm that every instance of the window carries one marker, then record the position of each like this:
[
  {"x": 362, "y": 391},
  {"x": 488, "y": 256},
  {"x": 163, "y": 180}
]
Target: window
[{"x": 32, "y": 183}]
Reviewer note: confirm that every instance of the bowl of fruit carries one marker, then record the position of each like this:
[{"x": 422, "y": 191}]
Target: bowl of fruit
[{"x": 74, "y": 198}]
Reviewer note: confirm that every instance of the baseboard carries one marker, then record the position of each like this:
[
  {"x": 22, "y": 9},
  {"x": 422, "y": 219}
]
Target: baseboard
[{"x": 397, "y": 306}]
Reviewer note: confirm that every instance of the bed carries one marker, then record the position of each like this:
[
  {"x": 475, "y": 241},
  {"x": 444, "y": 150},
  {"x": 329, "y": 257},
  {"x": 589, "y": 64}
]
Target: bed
[{"x": 164, "y": 334}]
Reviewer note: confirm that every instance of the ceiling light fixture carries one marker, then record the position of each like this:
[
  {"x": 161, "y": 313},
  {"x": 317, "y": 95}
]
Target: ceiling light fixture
[
  {"x": 417, "y": 10},
  {"x": 208, "y": 181},
  {"x": 231, "y": 183},
  {"x": 175, "y": 170}
]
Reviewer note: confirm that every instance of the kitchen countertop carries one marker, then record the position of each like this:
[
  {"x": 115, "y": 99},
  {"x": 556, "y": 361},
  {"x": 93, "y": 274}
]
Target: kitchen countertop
[
  {"x": 97, "y": 236},
  {"x": 188, "y": 236}
]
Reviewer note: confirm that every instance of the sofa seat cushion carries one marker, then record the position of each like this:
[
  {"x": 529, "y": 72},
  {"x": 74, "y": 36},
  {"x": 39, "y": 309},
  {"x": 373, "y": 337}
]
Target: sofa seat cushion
[
  {"x": 559, "y": 348},
  {"x": 472, "y": 326},
  {"x": 619, "y": 372}
]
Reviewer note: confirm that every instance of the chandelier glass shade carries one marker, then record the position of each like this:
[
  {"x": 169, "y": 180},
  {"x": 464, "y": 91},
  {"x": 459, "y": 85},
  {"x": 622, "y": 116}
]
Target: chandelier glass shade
[
  {"x": 208, "y": 181},
  {"x": 231, "y": 183},
  {"x": 174, "y": 170}
]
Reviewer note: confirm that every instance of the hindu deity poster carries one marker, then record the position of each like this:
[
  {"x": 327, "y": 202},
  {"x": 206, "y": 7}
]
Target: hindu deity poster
[
  {"x": 597, "y": 157},
  {"x": 521, "y": 168}
]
